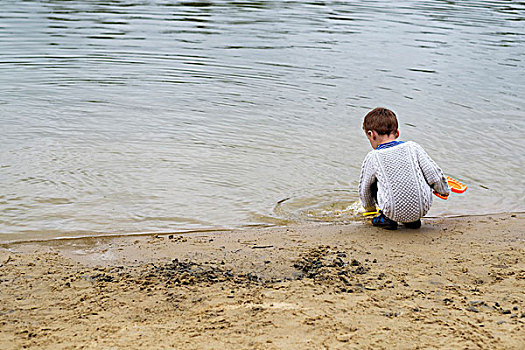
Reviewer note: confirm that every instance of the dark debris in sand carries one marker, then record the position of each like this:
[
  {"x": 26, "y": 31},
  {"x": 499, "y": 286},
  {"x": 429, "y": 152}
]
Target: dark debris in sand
[
  {"x": 188, "y": 273},
  {"x": 326, "y": 265},
  {"x": 322, "y": 264}
]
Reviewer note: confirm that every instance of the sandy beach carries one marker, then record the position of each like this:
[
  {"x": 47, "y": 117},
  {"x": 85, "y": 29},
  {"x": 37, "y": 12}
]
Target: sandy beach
[{"x": 456, "y": 283}]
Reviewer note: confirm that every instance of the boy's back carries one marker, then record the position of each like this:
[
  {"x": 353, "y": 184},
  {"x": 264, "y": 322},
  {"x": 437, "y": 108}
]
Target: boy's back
[{"x": 403, "y": 173}]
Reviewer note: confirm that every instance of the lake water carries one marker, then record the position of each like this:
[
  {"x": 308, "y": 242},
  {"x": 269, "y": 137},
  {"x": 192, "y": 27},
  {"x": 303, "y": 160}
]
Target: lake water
[{"x": 131, "y": 116}]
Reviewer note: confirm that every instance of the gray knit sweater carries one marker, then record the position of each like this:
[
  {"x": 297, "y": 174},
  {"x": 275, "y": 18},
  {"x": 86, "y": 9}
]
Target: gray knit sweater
[{"x": 405, "y": 176}]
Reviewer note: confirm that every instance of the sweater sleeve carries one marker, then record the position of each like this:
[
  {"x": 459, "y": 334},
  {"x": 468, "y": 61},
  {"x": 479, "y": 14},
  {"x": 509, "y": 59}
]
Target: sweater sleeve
[
  {"x": 367, "y": 182},
  {"x": 432, "y": 172}
]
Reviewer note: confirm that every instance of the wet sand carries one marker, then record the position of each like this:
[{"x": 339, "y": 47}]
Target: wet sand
[{"x": 456, "y": 283}]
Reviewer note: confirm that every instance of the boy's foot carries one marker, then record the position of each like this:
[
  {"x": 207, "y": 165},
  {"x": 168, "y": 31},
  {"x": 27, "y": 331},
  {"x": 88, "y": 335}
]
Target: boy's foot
[
  {"x": 382, "y": 221},
  {"x": 413, "y": 224}
]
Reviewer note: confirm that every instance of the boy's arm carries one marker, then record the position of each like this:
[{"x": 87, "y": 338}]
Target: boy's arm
[
  {"x": 432, "y": 172},
  {"x": 366, "y": 182}
]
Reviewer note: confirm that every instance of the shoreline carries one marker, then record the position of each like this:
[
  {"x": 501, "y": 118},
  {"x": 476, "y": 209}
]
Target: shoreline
[
  {"x": 359, "y": 220},
  {"x": 456, "y": 282}
]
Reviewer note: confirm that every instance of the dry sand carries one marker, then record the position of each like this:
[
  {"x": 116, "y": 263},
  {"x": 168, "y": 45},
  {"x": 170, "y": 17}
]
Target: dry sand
[{"x": 456, "y": 283}]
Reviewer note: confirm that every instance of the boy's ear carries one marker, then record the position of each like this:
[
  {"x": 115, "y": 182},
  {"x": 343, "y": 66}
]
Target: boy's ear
[{"x": 397, "y": 134}]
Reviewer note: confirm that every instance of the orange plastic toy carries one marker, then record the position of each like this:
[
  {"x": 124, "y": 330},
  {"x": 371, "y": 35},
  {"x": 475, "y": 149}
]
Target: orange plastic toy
[{"x": 455, "y": 186}]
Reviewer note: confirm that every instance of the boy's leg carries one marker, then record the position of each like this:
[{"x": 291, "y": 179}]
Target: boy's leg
[
  {"x": 382, "y": 221},
  {"x": 413, "y": 224},
  {"x": 373, "y": 190}
]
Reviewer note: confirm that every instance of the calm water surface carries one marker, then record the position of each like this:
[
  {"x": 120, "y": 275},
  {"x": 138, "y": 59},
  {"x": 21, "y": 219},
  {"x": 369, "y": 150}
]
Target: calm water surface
[{"x": 160, "y": 116}]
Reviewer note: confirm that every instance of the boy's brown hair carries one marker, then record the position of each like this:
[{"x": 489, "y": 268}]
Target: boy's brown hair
[{"x": 382, "y": 120}]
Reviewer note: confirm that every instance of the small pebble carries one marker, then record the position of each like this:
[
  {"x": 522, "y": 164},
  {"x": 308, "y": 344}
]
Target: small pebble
[{"x": 472, "y": 308}]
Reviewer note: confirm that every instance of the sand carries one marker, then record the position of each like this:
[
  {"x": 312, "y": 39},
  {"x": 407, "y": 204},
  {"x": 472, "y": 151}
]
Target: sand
[{"x": 456, "y": 283}]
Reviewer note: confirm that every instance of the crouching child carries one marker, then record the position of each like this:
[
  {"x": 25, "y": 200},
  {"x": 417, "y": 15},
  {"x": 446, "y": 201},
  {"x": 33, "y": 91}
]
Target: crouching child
[{"x": 397, "y": 176}]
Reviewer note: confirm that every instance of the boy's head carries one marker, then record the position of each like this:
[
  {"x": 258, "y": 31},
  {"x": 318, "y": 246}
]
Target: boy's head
[
  {"x": 381, "y": 120},
  {"x": 380, "y": 125}
]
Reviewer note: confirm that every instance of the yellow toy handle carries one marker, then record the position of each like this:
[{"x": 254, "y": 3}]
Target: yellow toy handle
[{"x": 372, "y": 212}]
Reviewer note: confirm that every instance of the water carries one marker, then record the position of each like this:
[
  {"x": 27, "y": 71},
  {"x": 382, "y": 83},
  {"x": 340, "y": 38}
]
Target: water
[{"x": 160, "y": 116}]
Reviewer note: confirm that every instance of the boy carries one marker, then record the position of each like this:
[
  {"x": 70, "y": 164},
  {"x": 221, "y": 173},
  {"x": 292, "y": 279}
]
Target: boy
[{"x": 398, "y": 176}]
